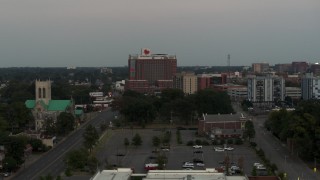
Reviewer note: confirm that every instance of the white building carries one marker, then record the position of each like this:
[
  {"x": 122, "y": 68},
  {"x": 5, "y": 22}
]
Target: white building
[
  {"x": 266, "y": 88},
  {"x": 293, "y": 92},
  {"x": 126, "y": 174},
  {"x": 310, "y": 87},
  {"x": 238, "y": 94}
]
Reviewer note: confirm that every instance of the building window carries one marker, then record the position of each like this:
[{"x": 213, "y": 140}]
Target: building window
[
  {"x": 39, "y": 93},
  {"x": 44, "y": 93}
]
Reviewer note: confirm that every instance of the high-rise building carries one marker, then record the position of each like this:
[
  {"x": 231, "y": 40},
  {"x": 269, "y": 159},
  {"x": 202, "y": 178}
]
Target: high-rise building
[
  {"x": 299, "y": 67},
  {"x": 310, "y": 87},
  {"x": 283, "y": 68},
  {"x": 315, "y": 69},
  {"x": 260, "y": 67},
  {"x": 151, "y": 72},
  {"x": 186, "y": 81},
  {"x": 208, "y": 80},
  {"x": 266, "y": 88}
]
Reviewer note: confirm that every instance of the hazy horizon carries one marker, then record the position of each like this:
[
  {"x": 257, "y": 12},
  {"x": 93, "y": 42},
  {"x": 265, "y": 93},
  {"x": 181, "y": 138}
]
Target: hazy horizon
[{"x": 80, "y": 33}]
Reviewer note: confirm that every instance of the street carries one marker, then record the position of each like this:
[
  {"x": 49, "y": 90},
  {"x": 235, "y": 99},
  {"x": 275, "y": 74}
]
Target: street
[
  {"x": 278, "y": 153},
  {"x": 52, "y": 161}
]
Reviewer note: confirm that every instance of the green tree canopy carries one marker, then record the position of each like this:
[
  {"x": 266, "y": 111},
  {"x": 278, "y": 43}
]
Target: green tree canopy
[
  {"x": 136, "y": 140},
  {"x": 91, "y": 137},
  {"x": 76, "y": 159},
  {"x": 249, "y": 131},
  {"x": 65, "y": 123}
]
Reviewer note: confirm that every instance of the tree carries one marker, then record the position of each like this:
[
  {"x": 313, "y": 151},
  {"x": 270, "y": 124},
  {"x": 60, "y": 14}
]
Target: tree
[
  {"x": 36, "y": 144},
  {"x": 126, "y": 142},
  {"x": 213, "y": 102},
  {"x": 155, "y": 141},
  {"x": 76, "y": 159},
  {"x": 91, "y": 137},
  {"x": 65, "y": 123},
  {"x": 50, "y": 127},
  {"x": 9, "y": 163},
  {"x": 3, "y": 124},
  {"x": 249, "y": 131},
  {"x": 47, "y": 177},
  {"x": 136, "y": 140}
]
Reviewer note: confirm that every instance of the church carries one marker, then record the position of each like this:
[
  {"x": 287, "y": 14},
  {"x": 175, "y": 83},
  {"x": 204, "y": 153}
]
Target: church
[{"x": 43, "y": 108}]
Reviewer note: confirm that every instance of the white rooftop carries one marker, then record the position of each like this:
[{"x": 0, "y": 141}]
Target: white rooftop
[
  {"x": 207, "y": 174},
  {"x": 119, "y": 174}
]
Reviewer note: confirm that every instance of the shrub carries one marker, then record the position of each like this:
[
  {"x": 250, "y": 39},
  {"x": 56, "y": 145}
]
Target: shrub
[
  {"x": 260, "y": 153},
  {"x": 205, "y": 143},
  {"x": 68, "y": 172},
  {"x": 190, "y": 143},
  {"x": 230, "y": 141},
  {"x": 253, "y": 144},
  {"x": 222, "y": 141},
  {"x": 198, "y": 142},
  {"x": 214, "y": 142},
  {"x": 238, "y": 141},
  {"x": 274, "y": 167}
]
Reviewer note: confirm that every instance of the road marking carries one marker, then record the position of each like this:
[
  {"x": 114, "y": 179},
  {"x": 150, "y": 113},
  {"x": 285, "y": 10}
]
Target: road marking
[{"x": 46, "y": 167}]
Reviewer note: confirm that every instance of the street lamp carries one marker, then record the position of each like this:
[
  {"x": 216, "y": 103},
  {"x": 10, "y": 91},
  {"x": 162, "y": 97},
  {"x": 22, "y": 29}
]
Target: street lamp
[{"x": 285, "y": 166}]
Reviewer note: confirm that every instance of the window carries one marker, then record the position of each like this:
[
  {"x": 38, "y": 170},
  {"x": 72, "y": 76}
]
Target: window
[
  {"x": 44, "y": 93},
  {"x": 39, "y": 93}
]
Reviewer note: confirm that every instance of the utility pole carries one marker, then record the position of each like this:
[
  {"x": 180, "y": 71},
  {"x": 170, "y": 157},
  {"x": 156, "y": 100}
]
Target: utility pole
[{"x": 229, "y": 65}]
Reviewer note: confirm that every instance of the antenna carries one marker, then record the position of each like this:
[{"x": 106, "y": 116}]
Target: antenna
[{"x": 229, "y": 65}]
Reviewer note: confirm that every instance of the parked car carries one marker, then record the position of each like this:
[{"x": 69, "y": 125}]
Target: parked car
[
  {"x": 218, "y": 149},
  {"x": 6, "y": 174},
  {"x": 188, "y": 166},
  {"x": 197, "y": 146},
  {"x": 200, "y": 164},
  {"x": 229, "y": 148}
]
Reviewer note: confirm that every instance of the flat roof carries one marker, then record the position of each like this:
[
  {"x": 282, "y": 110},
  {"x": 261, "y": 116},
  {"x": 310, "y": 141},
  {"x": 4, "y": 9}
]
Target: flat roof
[
  {"x": 223, "y": 117},
  {"x": 207, "y": 174},
  {"x": 119, "y": 174}
]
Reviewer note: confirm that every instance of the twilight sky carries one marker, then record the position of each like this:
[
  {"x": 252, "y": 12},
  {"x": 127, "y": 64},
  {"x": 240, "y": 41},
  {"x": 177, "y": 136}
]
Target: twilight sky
[{"x": 61, "y": 33}]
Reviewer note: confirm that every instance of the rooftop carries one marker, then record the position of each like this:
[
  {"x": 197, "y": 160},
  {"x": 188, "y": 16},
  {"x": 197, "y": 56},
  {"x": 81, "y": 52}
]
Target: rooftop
[
  {"x": 223, "y": 117},
  {"x": 118, "y": 174},
  {"x": 207, "y": 174}
]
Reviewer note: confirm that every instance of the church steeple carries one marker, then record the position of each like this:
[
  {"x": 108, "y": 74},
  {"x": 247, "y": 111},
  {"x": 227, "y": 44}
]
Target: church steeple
[{"x": 43, "y": 91}]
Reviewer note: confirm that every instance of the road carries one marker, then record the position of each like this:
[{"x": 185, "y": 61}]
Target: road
[
  {"x": 52, "y": 161},
  {"x": 279, "y": 154}
]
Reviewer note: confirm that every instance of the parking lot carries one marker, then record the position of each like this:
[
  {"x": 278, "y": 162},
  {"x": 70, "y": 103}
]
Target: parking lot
[{"x": 116, "y": 154}]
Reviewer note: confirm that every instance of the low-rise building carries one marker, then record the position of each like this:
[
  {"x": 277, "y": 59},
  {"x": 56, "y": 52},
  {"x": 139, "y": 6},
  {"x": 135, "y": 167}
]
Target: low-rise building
[
  {"x": 222, "y": 125},
  {"x": 238, "y": 94},
  {"x": 206, "y": 174},
  {"x": 293, "y": 92}
]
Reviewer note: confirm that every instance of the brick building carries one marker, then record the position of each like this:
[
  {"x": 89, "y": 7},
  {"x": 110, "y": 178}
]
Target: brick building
[
  {"x": 150, "y": 72},
  {"x": 222, "y": 125}
]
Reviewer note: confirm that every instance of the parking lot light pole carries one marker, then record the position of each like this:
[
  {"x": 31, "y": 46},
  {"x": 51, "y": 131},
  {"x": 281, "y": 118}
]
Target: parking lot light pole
[{"x": 285, "y": 166}]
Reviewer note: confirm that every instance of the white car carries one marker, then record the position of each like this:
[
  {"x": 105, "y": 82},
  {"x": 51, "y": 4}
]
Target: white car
[
  {"x": 6, "y": 174},
  {"x": 234, "y": 168},
  {"x": 257, "y": 164},
  {"x": 229, "y": 148},
  {"x": 197, "y": 146},
  {"x": 188, "y": 165},
  {"x": 218, "y": 149},
  {"x": 200, "y": 164}
]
